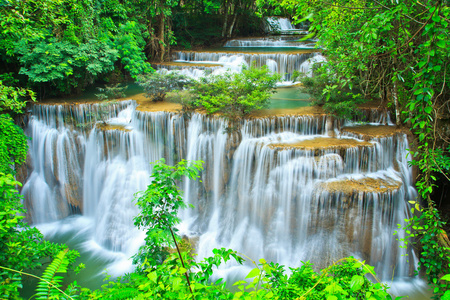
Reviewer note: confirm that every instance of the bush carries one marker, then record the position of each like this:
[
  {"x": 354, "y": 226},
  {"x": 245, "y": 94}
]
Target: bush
[
  {"x": 113, "y": 90},
  {"x": 157, "y": 85},
  {"x": 185, "y": 98},
  {"x": 236, "y": 95},
  {"x": 336, "y": 100}
]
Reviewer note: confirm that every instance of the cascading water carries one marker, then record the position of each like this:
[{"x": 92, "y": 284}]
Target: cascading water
[
  {"x": 286, "y": 63},
  {"x": 271, "y": 42},
  {"x": 286, "y": 188},
  {"x": 274, "y": 190},
  {"x": 283, "y": 25}
]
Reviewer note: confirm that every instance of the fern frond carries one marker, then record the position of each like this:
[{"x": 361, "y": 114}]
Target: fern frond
[{"x": 49, "y": 284}]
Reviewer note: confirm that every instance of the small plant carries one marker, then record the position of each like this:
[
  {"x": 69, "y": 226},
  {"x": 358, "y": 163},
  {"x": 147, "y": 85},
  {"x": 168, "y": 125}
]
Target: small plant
[
  {"x": 185, "y": 98},
  {"x": 159, "y": 206},
  {"x": 50, "y": 284}
]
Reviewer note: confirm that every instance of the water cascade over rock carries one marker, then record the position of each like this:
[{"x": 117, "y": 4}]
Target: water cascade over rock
[
  {"x": 286, "y": 62},
  {"x": 281, "y": 189},
  {"x": 282, "y": 54}
]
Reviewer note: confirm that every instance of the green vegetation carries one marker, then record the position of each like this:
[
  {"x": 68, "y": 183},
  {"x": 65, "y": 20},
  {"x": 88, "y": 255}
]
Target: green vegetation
[
  {"x": 344, "y": 280},
  {"x": 342, "y": 103},
  {"x": 111, "y": 92},
  {"x": 21, "y": 247},
  {"x": 236, "y": 95},
  {"x": 159, "y": 206},
  {"x": 61, "y": 47},
  {"x": 232, "y": 95}
]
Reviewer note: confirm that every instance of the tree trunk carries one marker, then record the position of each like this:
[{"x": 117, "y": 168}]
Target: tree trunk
[
  {"x": 396, "y": 104},
  {"x": 225, "y": 21},
  {"x": 162, "y": 46},
  {"x": 230, "y": 31}
]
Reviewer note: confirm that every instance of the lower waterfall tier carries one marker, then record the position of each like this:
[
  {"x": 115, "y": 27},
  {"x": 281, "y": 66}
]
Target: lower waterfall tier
[{"x": 286, "y": 188}]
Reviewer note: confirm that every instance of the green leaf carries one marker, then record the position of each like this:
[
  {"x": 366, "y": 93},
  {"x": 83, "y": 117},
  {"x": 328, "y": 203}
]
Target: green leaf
[
  {"x": 446, "y": 277},
  {"x": 253, "y": 273},
  {"x": 441, "y": 44},
  {"x": 356, "y": 283},
  {"x": 446, "y": 296}
]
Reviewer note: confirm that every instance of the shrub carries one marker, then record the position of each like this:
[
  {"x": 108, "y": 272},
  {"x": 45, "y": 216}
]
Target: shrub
[
  {"x": 336, "y": 100},
  {"x": 236, "y": 95},
  {"x": 157, "y": 85}
]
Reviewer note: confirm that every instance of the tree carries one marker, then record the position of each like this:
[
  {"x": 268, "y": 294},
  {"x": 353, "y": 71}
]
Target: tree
[
  {"x": 63, "y": 65},
  {"x": 341, "y": 103},
  {"x": 236, "y": 95}
]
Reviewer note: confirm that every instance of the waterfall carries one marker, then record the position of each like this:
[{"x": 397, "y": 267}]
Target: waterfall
[
  {"x": 279, "y": 24},
  {"x": 286, "y": 63},
  {"x": 281, "y": 188},
  {"x": 271, "y": 42}
]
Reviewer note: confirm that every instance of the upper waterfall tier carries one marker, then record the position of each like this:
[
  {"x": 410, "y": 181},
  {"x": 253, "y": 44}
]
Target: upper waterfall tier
[
  {"x": 278, "y": 25},
  {"x": 282, "y": 63},
  {"x": 271, "y": 42},
  {"x": 341, "y": 195}
]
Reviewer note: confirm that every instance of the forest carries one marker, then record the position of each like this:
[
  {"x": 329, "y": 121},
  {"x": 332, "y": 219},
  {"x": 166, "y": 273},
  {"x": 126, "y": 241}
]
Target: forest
[{"x": 393, "y": 52}]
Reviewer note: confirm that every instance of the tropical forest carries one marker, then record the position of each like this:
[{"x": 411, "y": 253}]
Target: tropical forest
[{"x": 224, "y": 149}]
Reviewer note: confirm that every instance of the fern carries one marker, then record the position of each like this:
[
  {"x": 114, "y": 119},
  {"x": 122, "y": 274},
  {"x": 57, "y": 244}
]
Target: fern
[{"x": 49, "y": 286}]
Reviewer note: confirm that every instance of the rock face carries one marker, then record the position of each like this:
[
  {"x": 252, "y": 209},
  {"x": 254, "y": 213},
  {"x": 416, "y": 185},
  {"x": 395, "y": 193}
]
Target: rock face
[{"x": 278, "y": 188}]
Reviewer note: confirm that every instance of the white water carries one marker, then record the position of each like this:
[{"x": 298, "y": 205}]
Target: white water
[
  {"x": 283, "y": 63},
  {"x": 271, "y": 42},
  {"x": 258, "y": 199},
  {"x": 277, "y": 25}
]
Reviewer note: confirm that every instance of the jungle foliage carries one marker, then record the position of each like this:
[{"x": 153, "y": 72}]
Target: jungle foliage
[
  {"x": 21, "y": 246},
  {"x": 341, "y": 103},
  {"x": 61, "y": 47}
]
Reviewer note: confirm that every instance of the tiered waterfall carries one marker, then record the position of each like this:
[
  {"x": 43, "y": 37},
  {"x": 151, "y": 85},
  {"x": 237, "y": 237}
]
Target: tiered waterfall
[{"x": 287, "y": 188}]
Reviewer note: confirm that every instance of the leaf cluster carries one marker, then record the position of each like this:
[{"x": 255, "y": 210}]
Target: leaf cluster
[
  {"x": 13, "y": 145},
  {"x": 324, "y": 89},
  {"x": 343, "y": 280},
  {"x": 426, "y": 227}
]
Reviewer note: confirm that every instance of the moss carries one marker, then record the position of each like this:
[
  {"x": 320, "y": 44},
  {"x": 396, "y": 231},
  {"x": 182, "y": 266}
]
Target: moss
[
  {"x": 322, "y": 143},
  {"x": 367, "y": 185}
]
